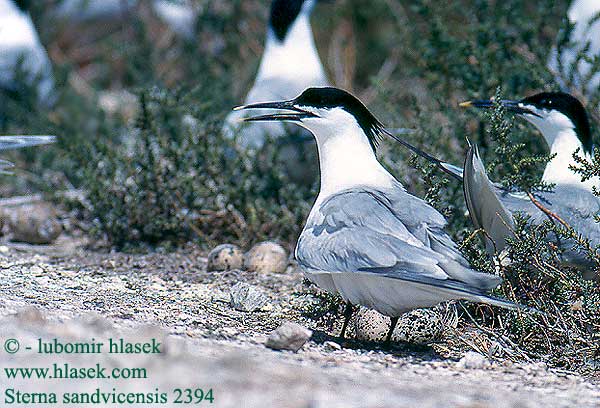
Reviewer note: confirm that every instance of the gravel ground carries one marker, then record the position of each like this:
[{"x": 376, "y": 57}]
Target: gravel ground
[{"x": 75, "y": 295}]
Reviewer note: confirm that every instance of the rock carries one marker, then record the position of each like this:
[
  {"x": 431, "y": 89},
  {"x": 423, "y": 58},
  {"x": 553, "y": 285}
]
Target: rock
[
  {"x": 418, "y": 326},
  {"x": 473, "y": 361},
  {"x": 266, "y": 257},
  {"x": 225, "y": 257},
  {"x": 332, "y": 345},
  {"x": 31, "y": 315},
  {"x": 247, "y": 298},
  {"x": 122, "y": 103},
  {"x": 34, "y": 224},
  {"x": 288, "y": 336}
]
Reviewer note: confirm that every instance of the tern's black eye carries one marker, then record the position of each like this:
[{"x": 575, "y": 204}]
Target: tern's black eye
[{"x": 569, "y": 106}]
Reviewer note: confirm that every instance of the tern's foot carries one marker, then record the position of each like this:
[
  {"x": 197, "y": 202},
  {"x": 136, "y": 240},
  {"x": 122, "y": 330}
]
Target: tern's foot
[
  {"x": 388, "y": 338},
  {"x": 348, "y": 311}
]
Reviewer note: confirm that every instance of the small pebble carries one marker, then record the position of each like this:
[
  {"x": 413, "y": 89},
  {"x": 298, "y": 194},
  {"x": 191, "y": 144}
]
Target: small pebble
[
  {"x": 266, "y": 257},
  {"x": 247, "y": 298},
  {"x": 36, "y": 270},
  {"x": 288, "y": 336},
  {"x": 225, "y": 257},
  {"x": 332, "y": 345},
  {"x": 473, "y": 361}
]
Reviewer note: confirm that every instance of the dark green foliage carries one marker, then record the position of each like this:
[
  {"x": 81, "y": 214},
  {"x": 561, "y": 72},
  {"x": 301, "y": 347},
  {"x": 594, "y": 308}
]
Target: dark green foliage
[{"x": 178, "y": 179}]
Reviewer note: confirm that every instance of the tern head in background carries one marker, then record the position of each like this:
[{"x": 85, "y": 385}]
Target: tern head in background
[
  {"x": 563, "y": 122},
  {"x": 289, "y": 64},
  {"x": 366, "y": 238}
]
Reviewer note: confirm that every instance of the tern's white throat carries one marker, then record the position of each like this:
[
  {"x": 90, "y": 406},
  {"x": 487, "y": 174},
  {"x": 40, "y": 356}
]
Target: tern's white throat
[
  {"x": 346, "y": 158},
  {"x": 560, "y": 135}
]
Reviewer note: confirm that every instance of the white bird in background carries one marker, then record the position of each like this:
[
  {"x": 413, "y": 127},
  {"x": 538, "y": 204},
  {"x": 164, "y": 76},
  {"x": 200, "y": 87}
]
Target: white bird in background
[
  {"x": 366, "y": 238},
  {"x": 20, "y": 43},
  {"x": 586, "y": 32},
  {"x": 86, "y": 10},
  {"x": 179, "y": 16},
  {"x": 563, "y": 122},
  {"x": 290, "y": 63},
  {"x": 20, "y": 46}
]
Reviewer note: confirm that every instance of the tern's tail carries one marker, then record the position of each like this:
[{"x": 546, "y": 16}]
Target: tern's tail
[
  {"x": 485, "y": 208},
  {"x": 17, "y": 142}
]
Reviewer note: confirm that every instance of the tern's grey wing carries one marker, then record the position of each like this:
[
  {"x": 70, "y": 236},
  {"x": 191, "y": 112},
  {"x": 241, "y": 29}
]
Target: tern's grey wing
[
  {"x": 575, "y": 205},
  {"x": 369, "y": 231},
  {"x": 17, "y": 142}
]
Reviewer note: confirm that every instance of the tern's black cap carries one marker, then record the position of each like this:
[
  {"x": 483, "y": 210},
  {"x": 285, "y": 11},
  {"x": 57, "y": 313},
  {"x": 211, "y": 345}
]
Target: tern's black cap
[
  {"x": 283, "y": 15},
  {"x": 569, "y": 106},
  {"x": 329, "y": 98}
]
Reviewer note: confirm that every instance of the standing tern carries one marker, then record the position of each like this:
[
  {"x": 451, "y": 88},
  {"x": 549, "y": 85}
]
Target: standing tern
[
  {"x": 290, "y": 63},
  {"x": 20, "y": 44},
  {"x": 366, "y": 238},
  {"x": 563, "y": 122}
]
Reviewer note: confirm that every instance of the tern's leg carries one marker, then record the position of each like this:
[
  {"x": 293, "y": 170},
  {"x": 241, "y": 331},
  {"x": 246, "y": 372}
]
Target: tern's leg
[
  {"x": 347, "y": 315},
  {"x": 388, "y": 338}
]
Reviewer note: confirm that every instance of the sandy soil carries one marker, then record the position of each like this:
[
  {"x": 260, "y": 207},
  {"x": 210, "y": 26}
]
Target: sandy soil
[{"x": 74, "y": 295}]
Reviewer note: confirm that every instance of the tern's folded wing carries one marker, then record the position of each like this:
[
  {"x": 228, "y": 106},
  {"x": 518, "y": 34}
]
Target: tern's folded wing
[{"x": 362, "y": 231}]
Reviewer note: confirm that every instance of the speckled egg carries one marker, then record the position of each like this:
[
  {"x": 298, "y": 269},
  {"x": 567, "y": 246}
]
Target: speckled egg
[
  {"x": 419, "y": 326},
  {"x": 371, "y": 325},
  {"x": 266, "y": 257},
  {"x": 225, "y": 257}
]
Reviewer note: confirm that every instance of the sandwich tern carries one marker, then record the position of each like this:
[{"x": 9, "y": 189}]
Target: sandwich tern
[
  {"x": 562, "y": 120},
  {"x": 366, "y": 238},
  {"x": 290, "y": 63}
]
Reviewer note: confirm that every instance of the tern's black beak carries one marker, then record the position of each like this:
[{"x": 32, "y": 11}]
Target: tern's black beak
[
  {"x": 293, "y": 113},
  {"x": 511, "y": 106}
]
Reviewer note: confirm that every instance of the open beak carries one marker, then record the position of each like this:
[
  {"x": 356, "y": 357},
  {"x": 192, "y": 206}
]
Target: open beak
[
  {"x": 511, "y": 106},
  {"x": 293, "y": 113}
]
